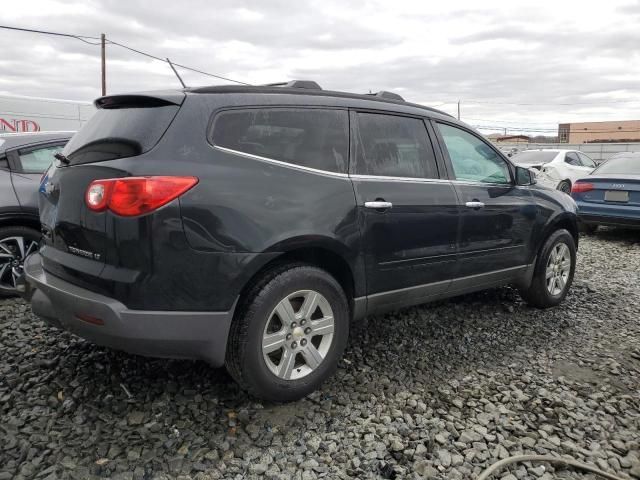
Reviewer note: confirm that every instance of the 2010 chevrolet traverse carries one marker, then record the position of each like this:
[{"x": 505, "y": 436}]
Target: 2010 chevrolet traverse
[{"x": 247, "y": 226}]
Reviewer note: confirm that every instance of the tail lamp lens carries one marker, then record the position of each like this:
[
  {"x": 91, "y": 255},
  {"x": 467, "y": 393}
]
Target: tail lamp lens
[
  {"x": 97, "y": 195},
  {"x": 132, "y": 196},
  {"x": 580, "y": 187}
]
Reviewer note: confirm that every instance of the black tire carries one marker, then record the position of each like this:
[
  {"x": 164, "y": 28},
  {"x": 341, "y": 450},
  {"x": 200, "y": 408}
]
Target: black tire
[
  {"x": 538, "y": 294},
  {"x": 590, "y": 228},
  {"x": 565, "y": 187},
  {"x": 29, "y": 235},
  {"x": 244, "y": 357}
]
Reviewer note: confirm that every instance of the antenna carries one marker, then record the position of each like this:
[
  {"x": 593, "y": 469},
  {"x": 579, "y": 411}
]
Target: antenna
[{"x": 176, "y": 72}]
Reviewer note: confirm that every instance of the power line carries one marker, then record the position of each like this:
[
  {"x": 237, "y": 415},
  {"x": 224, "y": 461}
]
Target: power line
[
  {"x": 140, "y": 52},
  {"x": 507, "y": 121},
  {"x": 484, "y": 102},
  {"x": 174, "y": 63},
  {"x": 77, "y": 37}
]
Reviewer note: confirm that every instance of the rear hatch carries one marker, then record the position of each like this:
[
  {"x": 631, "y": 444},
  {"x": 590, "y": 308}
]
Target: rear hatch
[{"x": 77, "y": 240}]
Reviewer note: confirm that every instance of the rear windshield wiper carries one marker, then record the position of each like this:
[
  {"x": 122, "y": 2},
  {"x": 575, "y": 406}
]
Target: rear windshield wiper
[{"x": 62, "y": 158}]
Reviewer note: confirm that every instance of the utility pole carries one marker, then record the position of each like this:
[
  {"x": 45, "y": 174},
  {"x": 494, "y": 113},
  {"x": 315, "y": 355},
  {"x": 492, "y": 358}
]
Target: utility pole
[
  {"x": 458, "y": 109},
  {"x": 104, "y": 64}
]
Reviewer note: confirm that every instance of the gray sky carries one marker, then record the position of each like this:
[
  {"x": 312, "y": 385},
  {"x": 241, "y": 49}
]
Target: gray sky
[{"x": 492, "y": 55}]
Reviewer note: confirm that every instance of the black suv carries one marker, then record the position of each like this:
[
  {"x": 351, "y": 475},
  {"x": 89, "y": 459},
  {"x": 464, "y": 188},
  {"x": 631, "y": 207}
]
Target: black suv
[{"x": 248, "y": 226}]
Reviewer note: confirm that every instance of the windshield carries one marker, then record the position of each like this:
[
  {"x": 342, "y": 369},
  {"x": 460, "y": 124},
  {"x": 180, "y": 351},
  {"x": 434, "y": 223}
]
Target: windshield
[
  {"x": 622, "y": 165},
  {"x": 534, "y": 157}
]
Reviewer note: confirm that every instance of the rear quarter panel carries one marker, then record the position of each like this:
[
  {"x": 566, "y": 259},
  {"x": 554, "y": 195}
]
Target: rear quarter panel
[
  {"x": 8, "y": 199},
  {"x": 244, "y": 212}
]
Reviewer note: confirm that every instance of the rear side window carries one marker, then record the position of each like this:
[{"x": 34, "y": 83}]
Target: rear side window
[
  {"x": 313, "y": 138},
  {"x": 572, "y": 159},
  {"x": 393, "y": 146},
  {"x": 119, "y": 132}
]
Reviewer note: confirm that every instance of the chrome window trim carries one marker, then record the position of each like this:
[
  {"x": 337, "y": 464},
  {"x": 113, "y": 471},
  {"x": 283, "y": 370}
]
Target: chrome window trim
[
  {"x": 382, "y": 178},
  {"x": 282, "y": 163},
  {"x": 479, "y": 183},
  {"x": 377, "y": 178}
]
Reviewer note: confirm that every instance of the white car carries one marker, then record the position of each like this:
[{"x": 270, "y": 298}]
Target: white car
[{"x": 556, "y": 168}]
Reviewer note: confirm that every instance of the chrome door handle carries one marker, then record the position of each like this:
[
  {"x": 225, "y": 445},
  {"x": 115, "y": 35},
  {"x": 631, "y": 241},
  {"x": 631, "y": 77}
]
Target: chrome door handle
[
  {"x": 378, "y": 204},
  {"x": 474, "y": 204}
]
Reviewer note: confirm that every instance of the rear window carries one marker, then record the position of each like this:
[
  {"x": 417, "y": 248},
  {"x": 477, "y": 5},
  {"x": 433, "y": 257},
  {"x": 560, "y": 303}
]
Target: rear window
[
  {"x": 620, "y": 165},
  {"x": 530, "y": 158},
  {"x": 119, "y": 132},
  {"x": 313, "y": 138}
]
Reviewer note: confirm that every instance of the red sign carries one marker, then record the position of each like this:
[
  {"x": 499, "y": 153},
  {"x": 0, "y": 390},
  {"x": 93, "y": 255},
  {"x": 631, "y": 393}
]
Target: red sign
[{"x": 18, "y": 125}]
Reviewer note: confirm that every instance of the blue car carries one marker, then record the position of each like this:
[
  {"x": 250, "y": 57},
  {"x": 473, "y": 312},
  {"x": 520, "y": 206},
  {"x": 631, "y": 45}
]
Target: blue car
[{"x": 611, "y": 194}]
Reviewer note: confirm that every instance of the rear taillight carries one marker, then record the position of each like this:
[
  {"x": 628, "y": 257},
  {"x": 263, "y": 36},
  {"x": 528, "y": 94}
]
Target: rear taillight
[
  {"x": 580, "y": 187},
  {"x": 131, "y": 196}
]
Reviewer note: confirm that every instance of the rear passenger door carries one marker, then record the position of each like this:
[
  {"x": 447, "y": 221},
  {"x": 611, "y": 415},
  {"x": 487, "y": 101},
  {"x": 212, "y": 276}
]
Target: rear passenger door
[
  {"x": 407, "y": 214},
  {"x": 498, "y": 217}
]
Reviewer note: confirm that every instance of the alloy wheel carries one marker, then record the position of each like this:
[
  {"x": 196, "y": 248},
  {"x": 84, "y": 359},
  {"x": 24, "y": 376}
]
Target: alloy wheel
[
  {"x": 298, "y": 335},
  {"x": 13, "y": 251},
  {"x": 558, "y": 268}
]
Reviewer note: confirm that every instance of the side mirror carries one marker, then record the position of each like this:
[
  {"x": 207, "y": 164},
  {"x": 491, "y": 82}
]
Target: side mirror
[{"x": 524, "y": 176}]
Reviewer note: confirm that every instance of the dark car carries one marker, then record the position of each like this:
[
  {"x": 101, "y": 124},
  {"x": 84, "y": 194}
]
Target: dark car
[
  {"x": 248, "y": 226},
  {"x": 23, "y": 158},
  {"x": 611, "y": 194}
]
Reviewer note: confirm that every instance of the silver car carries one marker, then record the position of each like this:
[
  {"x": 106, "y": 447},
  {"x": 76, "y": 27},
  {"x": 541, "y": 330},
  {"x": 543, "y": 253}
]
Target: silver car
[{"x": 23, "y": 159}]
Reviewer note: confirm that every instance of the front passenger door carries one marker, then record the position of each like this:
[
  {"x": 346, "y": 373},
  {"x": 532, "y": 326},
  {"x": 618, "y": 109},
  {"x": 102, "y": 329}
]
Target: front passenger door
[{"x": 497, "y": 216}]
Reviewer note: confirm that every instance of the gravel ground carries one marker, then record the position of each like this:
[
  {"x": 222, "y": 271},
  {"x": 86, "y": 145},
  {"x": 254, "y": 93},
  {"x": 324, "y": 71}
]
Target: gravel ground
[{"x": 440, "y": 391}]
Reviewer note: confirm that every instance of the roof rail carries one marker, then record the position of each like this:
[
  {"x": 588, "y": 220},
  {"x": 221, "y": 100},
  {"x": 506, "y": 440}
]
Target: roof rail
[
  {"x": 388, "y": 95},
  {"x": 308, "y": 84}
]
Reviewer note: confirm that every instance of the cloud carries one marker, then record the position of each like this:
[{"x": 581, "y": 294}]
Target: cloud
[{"x": 487, "y": 54}]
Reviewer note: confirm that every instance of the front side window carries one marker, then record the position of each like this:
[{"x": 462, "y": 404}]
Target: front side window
[
  {"x": 38, "y": 160},
  {"x": 313, "y": 138},
  {"x": 586, "y": 161},
  {"x": 471, "y": 158},
  {"x": 393, "y": 146}
]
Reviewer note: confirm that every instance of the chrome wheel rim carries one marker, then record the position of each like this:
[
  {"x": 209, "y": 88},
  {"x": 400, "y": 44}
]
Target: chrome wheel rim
[
  {"x": 13, "y": 251},
  {"x": 565, "y": 188},
  {"x": 298, "y": 335},
  {"x": 558, "y": 268}
]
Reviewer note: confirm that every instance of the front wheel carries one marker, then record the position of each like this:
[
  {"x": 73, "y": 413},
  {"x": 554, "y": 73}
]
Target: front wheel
[
  {"x": 289, "y": 334},
  {"x": 15, "y": 244},
  {"x": 554, "y": 269}
]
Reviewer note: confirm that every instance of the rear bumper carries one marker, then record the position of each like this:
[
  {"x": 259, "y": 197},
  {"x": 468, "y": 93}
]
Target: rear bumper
[
  {"x": 107, "y": 322},
  {"x": 609, "y": 220},
  {"x": 608, "y": 214}
]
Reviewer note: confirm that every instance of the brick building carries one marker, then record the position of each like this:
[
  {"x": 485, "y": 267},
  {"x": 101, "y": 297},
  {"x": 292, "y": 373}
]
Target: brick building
[{"x": 587, "y": 132}]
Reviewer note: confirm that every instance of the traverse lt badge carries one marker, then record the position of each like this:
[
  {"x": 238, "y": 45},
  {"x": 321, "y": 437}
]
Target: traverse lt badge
[{"x": 84, "y": 253}]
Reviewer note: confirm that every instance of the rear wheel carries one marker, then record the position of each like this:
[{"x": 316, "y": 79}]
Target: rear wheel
[
  {"x": 289, "y": 334},
  {"x": 554, "y": 269},
  {"x": 15, "y": 244},
  {"x": 565, "y": 186}
]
